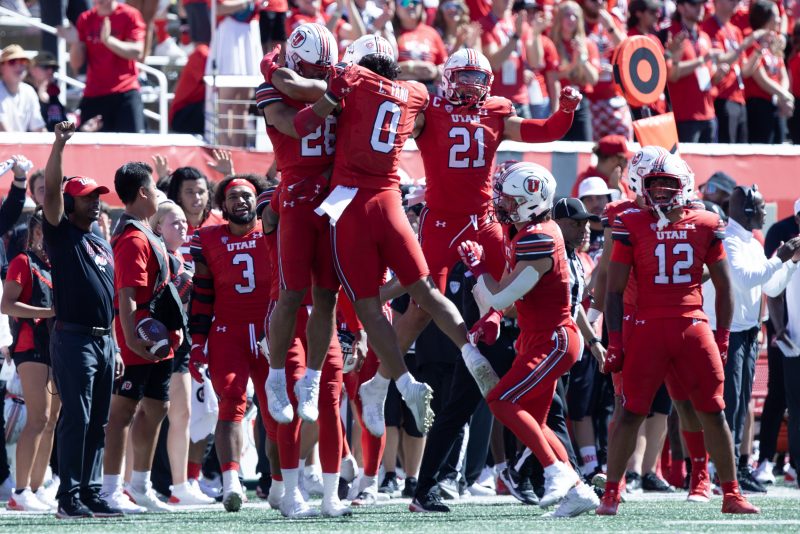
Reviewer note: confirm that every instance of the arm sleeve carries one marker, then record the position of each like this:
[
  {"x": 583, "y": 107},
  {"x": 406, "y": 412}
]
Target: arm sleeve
[
  {"x": 534, "y": 247},
  {"x": 11, "y": 208},
  {"x": 266, "y": 94},
  {"x": 196, "y": 249},
  {"x": 201, "y": 306},
  {"x": 620, "y": 233}
]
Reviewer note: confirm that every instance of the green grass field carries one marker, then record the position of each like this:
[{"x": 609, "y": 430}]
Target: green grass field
[{"x": 642, "y": 513}]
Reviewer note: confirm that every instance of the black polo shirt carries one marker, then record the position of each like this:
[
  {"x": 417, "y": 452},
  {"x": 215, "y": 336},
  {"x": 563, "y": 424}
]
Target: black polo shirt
[{"x": 83, "y": 274}]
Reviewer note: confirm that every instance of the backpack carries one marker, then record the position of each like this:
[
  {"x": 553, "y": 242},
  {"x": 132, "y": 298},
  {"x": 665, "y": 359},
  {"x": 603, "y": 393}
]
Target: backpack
[
  {"x": 41, "y": 297},
  {"x": 165, "y": 305}
]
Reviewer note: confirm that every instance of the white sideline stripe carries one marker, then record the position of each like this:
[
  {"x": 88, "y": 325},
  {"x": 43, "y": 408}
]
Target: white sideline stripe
[
  {"x": 731, "y": 522},
  {"x": 104, "y": 138}
]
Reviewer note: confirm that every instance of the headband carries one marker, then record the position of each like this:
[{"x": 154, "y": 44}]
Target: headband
[{"x": 236, "y": 182}]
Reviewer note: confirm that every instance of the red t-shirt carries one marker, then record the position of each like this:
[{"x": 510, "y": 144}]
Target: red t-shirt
[
  {"x": 478, "y": 8},
  {"x": 106, "y": 72},
  {"x": 136, "y": 267},
  {"x": 191, "y": 88},
  {"x": 457, "y": 146},
  {"x": 551, "y": 62},
  {"x": 509, "y": 81},
  {"x": 605, "y": 88},
  {"x": 689, "y": 101},
  {"x": 277, "y": 6},
  {"x": 377, "y": 119},
  {"x": 772, "y": 65},
  {"x": 794, "y": 74},
  {"x": 19, "y": 271},
  {"x": 668, "y": 264},
  {"x": 423, "y": 43},
  {"x": 594, "y": 59},
  {"x": 727, "y": 37}
]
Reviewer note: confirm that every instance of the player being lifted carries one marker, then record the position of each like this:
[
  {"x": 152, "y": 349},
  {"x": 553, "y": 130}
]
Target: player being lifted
[{"x": 667, "y": 244}]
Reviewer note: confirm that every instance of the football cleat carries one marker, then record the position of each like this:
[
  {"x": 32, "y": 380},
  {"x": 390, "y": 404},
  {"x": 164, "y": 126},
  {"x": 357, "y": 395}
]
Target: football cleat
[
  {"x": 119, "y": 499},
  {"x": 293, "y": 506},
  {"x": 559, "y": 478},
  {"x": 278, "y": 403},
  {"x": 609, "y": 503},
  {"x": 335, "y": 509},
  {"x": 699, "y": 486},
  {"x": 735, "y": 503},
  {"x": 307, "y": 392},
  {"x": 579, "y": 500},
  {"x": 418, "y": 399},
  {"x": 372, "y": 401}
]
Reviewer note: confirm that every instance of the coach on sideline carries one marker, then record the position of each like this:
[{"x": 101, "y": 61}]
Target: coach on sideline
[{"x": 82, "y": 350}]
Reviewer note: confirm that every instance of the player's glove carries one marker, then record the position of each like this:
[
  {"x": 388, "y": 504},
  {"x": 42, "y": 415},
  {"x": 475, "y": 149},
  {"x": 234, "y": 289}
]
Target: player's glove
[
  {"x": 614, "y": 354},
  {"x": 472, "y": 256},
  {"x": 307, "y": 189},
  {"x": 197, "y": 359},
  {"x": 722, "y": 337},
  {"x": 269, "y": 64},
  {"x": 344, "y": 81},
  {"x": 569, "y": 100},
  {"x": 487, "y": 329}
]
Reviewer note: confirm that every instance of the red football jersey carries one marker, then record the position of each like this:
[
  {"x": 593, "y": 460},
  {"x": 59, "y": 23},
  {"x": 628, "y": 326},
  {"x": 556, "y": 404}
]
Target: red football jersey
[
  {"x": 610, "y": 213},
  {"x": 240, "y": 270},
  {"x": 547, "y": 305},
  {"x": 457, "y": 146},
  {"x": 377, "y": 119},
  {"x": 668, "y": 263},
  {"x": 298, "y": 159}
]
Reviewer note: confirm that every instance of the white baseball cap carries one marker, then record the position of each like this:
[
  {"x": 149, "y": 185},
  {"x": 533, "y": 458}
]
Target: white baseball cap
[
  {"x": 593, "y": 185},
  {"x": 797, "y": 206}
]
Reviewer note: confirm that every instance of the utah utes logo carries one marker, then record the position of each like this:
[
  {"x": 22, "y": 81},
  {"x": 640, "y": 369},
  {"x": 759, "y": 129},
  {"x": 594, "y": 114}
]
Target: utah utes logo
[
  {"x": 532, "y": 185},
  {"x": 637, "y": 158},
  {"x": 298, "y": 39}
]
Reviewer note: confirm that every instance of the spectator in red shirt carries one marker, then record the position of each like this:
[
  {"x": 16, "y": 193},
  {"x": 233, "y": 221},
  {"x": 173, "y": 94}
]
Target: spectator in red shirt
[
  {"x": 689, "y": 75},
  {"x": 579, "y": 64},
  {"x": 544, "y": 61},
  {"x": 794, "y": 83},
  {"x": 769, "y": 101},
  {"x": 453, "y": 23},
  {"x": 111, "y": 39},
  {"x": 186, "y": 114},
  {"x": 420, "y": 50},
  {"x": 612, "y": 158}
]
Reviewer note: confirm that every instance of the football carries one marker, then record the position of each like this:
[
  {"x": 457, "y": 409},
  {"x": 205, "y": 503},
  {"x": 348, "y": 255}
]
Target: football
[{"x": 152, "y": 330}]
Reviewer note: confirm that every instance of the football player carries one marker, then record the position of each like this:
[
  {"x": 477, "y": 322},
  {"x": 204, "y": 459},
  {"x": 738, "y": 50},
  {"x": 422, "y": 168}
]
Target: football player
[
  {"x": 231, "y": 289},
  {"x": 667, "y": 245},
  {"x": 538, "y": 285}
]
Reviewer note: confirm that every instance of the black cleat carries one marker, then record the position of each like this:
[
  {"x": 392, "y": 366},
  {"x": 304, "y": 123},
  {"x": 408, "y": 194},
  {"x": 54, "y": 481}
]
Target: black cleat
[{"x": 430, "y": 502}]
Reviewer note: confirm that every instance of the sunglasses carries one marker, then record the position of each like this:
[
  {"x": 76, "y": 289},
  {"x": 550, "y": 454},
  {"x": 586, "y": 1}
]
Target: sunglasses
[
  {"x": 17, "y": 61},
  {"x": 409, "y": 3}
]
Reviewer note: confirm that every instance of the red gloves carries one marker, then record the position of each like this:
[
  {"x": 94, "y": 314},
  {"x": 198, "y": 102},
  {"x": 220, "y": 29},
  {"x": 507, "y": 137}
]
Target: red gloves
[
  {"x": 197, "y": 358},
  {"x": 614, "y": 354},
  {"x": 722, "y": 338},
  {"x": 569, "y": 100},
  {"x": 487, "y": 329},
  {"x": 269, "y": 64},
  {"x": 345, "y": 80},
  {"x": 472, "y": 256}
]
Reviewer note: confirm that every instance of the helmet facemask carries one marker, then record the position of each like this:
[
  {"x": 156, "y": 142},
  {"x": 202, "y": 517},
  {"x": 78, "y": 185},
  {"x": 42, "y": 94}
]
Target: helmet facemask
[{"x": 467, "y": 87}]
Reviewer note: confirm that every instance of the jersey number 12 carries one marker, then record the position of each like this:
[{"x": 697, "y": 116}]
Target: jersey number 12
[{"x": 679, "y": 268}]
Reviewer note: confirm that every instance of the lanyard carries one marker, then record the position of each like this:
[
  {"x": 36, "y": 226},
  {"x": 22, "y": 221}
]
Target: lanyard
[{"x": 694, "y": 38}]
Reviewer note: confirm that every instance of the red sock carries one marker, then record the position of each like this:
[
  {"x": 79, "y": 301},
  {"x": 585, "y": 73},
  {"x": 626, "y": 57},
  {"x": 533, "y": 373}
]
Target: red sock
[
  {"x": 730, "y": 487},
  {"x": 612, "y": 486},
  {"x": 277, "y": 477},
  {"x": 230, "y": 466},
  {"x": 161, "y": 30},
  {"x": 696, "y": 449},
  {"x": 193, "y": 470}
]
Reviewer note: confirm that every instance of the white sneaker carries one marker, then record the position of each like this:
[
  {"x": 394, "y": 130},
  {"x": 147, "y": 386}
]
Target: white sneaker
[
  {"x": 211, "y": 487},
  {"x": 187, "y": 495},
  {"x": 147, "y": 499},
  {"x": 312, "y": 482},
  {"x": 372, "y": 401},
  {"x": 169, "y": 48},
  {"x": 307, "y": 393},
  {"x": 580, "y": 499},
  {"x": 476, "y": 490},
  {"x": 232, "y": 501},
  {"x": 26, "y": 502},
  {"x": 293, "y": 506},
  {"x": 348, "y": 468},
  {"x": 278, "y": 403},
  {"x": 51, "y": 488},
  {"x": 763, "y": 472},
  {"x": 559, "y": 478},
  {"x": 480, "y": 369},
  {"x": 120, "y": 500},
  {"x": 335, "y": 509},
  {"x": 418, "y": 399},
  {"x": 45, "y": 498}
]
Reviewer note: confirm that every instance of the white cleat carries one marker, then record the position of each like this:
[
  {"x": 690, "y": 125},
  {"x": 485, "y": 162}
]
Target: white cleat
[
  {"x": 335, "y": 509},
  {"x": 418, "y": 399},
  {"x": 46, "y": 498},
  {"x": 763, "y": 472},
  {"x": 312, "y": 483},
  {"x": 579, "y": 500},
  {"x": 275, "y": 497},
  {"x": 26, "y": 502},
  {"x": 188, "y": 495},
  {"x": 233, "y": 500},
  {"x": 278, "y": 403},
  {"x": 559, "y": 478},
  {"x": 293, "y": 506},
  {"x": 348, "y": 469},
  {"x": 372, "y": 401},
  {"x": 307, "y": 393},
  {"x": 480, "y": 369},
  {"x": 120, "y": 500},
  {"x": 148, "y": 499}
]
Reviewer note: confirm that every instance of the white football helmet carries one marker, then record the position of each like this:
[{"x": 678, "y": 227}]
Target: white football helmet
[
  {"x": 311, "y": 51},
  {"x": 668, "y": 198},
  {"x": 640, "y": 165},
  {"x": 368, "y": 45},
  {"x": 523, "y": 191},
  {"x": 467, "y": 78}
]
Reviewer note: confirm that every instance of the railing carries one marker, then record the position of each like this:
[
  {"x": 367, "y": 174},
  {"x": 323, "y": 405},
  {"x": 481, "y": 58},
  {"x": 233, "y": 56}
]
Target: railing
[{"x": 161, "y": 116}]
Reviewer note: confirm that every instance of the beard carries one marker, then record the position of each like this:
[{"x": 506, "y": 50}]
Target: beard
[{"x": 242, "y": 219}]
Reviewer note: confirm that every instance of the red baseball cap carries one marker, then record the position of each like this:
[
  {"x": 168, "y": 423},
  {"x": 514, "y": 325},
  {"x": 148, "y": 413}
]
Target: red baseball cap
[
  {"x": 81, "y": 186},
  {"x": 611, "y": 145}
]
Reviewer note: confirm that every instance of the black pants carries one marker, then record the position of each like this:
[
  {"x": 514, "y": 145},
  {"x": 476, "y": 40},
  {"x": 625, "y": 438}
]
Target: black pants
[
  {"x": 463, "y": 399},
  {"x": 122, "y": 112},
  {"x": 439, "y": 376},
  {"x": 739, "y": 372},
  {"x": 774, "y": 404},
  {"x": 5, "y": 470},
  {"x": 764, "y": 125},
  {"x": 557, "y": 422},
  {"x": 793, "y": 125},
  {"x": 731, "y": 121},
  {"x": 480, "y": 426},
  {"x": 697, "y": 131},
  {"x": 189, "y": 119},
  {"x": 791, "y": 377},
  {"x": 83, "y": 369},
  {"x": 581, "y": 129},
  {"x": 52, "y": 12}
]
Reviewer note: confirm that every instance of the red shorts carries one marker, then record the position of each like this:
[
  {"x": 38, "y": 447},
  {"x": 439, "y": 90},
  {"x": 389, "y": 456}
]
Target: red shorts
[
  {"x": 679, "y": 352},
  {"x": 372, "y": 234},
  {"x": 304, "y": 249},
  {"x": 541, "y": 360},
  {"x": 440, "y": 235},
  {"x": 233, "y": 357}
]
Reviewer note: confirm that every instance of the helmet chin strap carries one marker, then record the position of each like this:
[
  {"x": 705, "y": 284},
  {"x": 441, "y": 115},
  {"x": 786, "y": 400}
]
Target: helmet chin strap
[{"x": 663, "y": 222}]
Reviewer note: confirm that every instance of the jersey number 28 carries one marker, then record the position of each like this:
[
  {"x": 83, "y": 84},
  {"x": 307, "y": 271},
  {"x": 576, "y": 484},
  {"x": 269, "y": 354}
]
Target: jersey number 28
[{"x": 683, "y": 256}]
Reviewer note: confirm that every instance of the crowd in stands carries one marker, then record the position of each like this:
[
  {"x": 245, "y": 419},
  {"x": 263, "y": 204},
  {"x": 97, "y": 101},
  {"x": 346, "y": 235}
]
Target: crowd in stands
[{"x": 733, "y": 67}]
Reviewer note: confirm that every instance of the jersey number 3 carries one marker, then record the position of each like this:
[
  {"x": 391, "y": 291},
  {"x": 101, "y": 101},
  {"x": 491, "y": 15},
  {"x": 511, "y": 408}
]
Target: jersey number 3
[
  {"x": 248, "y": 273},
  {"x": 683, "y": 256}
]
